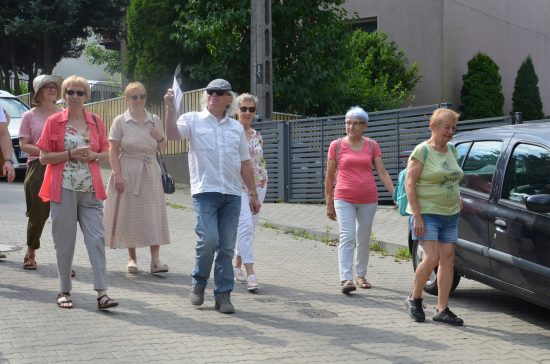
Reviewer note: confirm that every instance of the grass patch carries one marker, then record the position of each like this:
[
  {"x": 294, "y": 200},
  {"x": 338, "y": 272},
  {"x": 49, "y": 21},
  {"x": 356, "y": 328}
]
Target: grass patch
[
  {"x": 378, "y": 246},
  {"x": 176, "y": 206},
  {"x": 402, "y": 254}
]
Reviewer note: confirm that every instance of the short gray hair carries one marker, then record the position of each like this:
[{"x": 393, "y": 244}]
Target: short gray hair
[{"x": 357, "y": 112}]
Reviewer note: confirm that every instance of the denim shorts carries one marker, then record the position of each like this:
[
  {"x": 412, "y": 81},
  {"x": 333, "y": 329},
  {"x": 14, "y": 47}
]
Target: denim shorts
[{"x": 438, "y": 228}]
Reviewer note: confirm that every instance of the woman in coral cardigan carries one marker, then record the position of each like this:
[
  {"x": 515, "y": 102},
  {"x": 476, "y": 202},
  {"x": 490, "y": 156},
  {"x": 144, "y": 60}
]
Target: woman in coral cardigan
[{"x": 72, "y": 144}]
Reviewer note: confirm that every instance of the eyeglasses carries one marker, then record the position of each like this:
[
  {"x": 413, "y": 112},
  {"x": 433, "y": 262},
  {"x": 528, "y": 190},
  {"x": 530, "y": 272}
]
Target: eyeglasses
[
  {"x": 135, "y": 97},
  {"x": 217, "y": 92},
  {"x": 51, "y": 87},
  {"x": 244, "y": 109},
  {"x": 78, "y": 92}
]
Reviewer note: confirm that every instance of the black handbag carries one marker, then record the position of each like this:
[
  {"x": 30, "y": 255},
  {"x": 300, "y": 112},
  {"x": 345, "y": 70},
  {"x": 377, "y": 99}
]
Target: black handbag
[{"x": 167, "y": 180}]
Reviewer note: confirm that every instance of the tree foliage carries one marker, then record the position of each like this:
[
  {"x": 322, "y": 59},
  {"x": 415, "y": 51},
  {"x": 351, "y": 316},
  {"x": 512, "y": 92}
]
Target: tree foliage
[
  {"x": 526, "y": 97},
  {"x": 152, "y": 55},
  {"x": 36, "y": 34},
  {"x": 481, "y": 94},
  {"x": 212, "y": 39},
  {"x": 100, "y": 56},
  {"x": 378, "y": 77}
]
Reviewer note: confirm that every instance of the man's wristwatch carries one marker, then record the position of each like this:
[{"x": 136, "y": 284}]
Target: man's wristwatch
[{"x": 253, "y": 194}]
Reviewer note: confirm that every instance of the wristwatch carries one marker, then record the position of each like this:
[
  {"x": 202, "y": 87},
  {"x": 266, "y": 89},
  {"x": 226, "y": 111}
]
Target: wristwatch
[{"x": 253, "y": 194}]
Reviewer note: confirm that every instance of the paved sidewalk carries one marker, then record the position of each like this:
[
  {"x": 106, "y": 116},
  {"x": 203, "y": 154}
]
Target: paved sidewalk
[
  {"x": 298, "y": 316},
  {"x": 389, "y": 228}
]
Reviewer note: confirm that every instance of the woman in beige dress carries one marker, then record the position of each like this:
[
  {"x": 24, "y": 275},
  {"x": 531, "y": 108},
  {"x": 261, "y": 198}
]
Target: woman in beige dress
[{"x": 135, "y": 210}]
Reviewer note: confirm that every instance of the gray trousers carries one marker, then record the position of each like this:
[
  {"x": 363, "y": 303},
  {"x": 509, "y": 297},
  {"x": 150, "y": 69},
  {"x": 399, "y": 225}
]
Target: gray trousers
[{"x": 84, "y": 208}]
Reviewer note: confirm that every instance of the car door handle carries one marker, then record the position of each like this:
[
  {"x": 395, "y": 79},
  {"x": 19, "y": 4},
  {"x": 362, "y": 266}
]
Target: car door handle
[
  {"x": 500, "y": 222},
  {"x": 500, "y": 225}
]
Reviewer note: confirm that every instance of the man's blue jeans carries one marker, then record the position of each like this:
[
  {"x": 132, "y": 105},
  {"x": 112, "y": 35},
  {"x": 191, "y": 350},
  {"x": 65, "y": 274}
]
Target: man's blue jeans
[{"x": 217, "y": 222}]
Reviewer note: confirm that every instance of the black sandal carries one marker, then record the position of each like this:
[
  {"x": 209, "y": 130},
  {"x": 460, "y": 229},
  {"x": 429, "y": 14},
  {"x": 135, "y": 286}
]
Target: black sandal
[
  {"x": 63, "y": 300},
  {"x": 107, "y": 302}
]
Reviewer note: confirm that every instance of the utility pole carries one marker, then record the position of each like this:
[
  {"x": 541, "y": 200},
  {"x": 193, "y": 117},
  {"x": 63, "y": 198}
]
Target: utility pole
[{"x": 261, "y": 72}]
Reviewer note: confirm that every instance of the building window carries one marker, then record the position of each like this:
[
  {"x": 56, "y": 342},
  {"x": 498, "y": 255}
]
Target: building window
[{"x": 368, "y": 25}]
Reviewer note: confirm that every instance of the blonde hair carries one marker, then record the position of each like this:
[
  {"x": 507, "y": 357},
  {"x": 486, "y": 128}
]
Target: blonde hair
[
  {"x": 133, "y": 86},
  {"x": 442, "y": 114},
  {"x": 247, "y": 97},
  {"x": 75, "y": 80}
]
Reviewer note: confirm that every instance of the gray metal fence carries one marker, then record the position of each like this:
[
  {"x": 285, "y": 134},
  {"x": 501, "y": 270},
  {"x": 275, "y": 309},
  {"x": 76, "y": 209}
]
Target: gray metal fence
[{"x": 296, "y": 150}]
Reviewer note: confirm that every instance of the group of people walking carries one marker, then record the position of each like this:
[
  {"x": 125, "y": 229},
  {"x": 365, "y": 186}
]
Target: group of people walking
[
  {"x": 63, "y": 180},
  {"x": 228, "y": 185}
]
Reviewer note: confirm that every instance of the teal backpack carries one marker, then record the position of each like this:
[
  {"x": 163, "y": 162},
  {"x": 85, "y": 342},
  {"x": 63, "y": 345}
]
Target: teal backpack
[{"x": 399, "y": 193}]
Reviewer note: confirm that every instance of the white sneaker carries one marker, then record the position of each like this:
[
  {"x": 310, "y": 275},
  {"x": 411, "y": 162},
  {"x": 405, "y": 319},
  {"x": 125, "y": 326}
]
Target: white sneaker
[
  {"x": 159, "y": 268},
  {"x": 252, "y": 283},
  {"x": 240, "y": 276}
]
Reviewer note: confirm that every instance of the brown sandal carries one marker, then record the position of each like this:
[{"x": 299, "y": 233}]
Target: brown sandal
[
  {"x": 29, "y": 263},
  {"x": 363, "y": 283},
  {"x": 104, "y": 302},
  {"x": 347, "y": 287}
]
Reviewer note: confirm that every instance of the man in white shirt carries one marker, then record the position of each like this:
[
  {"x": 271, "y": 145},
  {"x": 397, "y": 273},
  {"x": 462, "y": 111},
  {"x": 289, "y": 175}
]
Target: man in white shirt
[
  {"x": 6, "y": 147},
  {"x": 218, "y": 163}
]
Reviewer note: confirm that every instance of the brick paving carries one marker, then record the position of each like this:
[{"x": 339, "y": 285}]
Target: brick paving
[{"x": 298, "y": 316}]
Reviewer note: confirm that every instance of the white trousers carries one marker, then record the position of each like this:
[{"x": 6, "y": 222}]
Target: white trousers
[
  {"x": 247, "y": 225},
  {"x": 81, "y": 207},
  {"x": 355, "y": 223}
]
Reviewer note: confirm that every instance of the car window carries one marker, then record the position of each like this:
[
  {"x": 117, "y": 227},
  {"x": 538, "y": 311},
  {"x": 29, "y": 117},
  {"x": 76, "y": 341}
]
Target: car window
[
  {"x": 461, "y": 150},
  {"x": 480, "y": 165},
  {"x": 13, "y": 107},
  {"x": 527, "y": 173}
]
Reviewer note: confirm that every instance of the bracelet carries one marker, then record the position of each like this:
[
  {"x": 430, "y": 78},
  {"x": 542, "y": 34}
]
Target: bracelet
[
  {"x": 161, "y": 140},
  {"x": 171, "y": 108},
  {"x": 8, "y": 160},
  {"x": 253, "y": 194},
  {"x": 69, "y": 151}
]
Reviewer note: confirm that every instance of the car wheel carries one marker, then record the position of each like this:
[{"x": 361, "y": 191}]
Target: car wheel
[{"x": 431, "y": 285}]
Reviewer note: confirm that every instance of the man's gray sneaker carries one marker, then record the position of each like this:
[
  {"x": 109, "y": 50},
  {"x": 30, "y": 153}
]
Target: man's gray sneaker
[
  {"x": 223, "y": 304},
  {"x": 415, "y": 308},
  {"x": 197, "y": 295}
]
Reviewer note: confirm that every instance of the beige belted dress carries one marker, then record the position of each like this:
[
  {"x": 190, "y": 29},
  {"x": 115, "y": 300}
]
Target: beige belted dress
[{"x": 140, "y": 219}]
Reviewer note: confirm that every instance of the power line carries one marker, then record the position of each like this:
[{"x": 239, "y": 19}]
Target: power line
[{"x": 501, "y": 20}]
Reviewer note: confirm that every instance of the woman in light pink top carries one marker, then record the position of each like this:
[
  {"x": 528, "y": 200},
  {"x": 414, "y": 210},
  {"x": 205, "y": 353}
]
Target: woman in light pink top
[
  {"x": 354, "y": 196},
  {"x": 46, "y": 93}
]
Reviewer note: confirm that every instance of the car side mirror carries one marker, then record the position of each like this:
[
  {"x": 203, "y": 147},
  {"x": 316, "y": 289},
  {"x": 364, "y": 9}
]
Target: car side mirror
[{"x": 538, "y": 203}]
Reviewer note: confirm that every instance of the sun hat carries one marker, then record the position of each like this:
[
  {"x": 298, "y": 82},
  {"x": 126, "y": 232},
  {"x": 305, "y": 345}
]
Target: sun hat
[
  {"x": 218, "y": 84},
  {"x": 43, "y": 80}
]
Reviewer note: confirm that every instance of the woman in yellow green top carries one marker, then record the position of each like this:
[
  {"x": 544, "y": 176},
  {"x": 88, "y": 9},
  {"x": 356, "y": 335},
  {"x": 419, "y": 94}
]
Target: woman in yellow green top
[{"x": 433, "y": 194}]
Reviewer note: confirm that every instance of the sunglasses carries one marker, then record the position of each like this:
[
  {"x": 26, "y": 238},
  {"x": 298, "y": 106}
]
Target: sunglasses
[
  {"x": 244, "y": 109},
  {"x": 135, "y": 97},
  {"x": 217, "y": 92},
  {"x": 72, "y": 92}
]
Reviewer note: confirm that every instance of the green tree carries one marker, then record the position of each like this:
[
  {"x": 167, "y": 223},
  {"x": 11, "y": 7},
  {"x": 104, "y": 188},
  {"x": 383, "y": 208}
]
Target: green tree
[
  {"x": 98, "y": 55},
  {"x": 152, "y": 55},
  {"x": 526, "y": 97},
  {"x": 378, "y": 77},
  {"x": 37, "y": 34},
  {"x": 481, "y": 95},
  {"x": 212, "y": 39}
]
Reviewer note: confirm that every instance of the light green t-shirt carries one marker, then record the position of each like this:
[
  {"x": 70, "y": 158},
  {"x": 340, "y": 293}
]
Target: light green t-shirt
[{"x": 437, "y": 187}]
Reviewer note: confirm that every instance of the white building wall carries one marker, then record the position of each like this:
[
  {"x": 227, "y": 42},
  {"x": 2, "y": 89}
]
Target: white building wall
[{"x": 443, "y": 35}]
